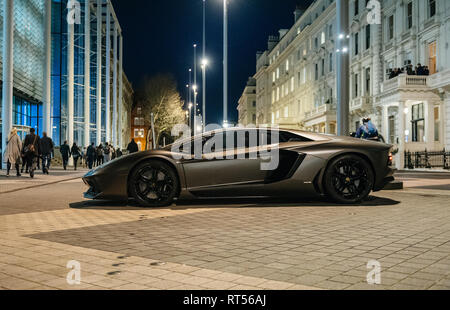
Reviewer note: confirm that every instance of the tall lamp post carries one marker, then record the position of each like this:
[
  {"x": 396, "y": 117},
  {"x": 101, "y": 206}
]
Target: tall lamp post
[
  {"x": 195, "y": 89},
  {"x": 343, "y": 85},
  {"x": 225, "y": 63},
  {"x": 204, "y": 64}
]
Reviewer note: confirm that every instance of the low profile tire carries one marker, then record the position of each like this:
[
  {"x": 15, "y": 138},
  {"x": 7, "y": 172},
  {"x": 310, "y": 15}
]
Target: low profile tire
[
  {"x": 154, "y": 184},
  {"x": 348, "y": 179}
]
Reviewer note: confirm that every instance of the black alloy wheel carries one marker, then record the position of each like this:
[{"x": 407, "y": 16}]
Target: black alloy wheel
[
  {"x": 349, "y": 179},
  {"x": 154, "y": 184}
]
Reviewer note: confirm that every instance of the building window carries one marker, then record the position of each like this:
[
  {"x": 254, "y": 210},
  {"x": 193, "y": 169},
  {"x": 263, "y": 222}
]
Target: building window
[
  {"x": 254, "y": 118},
  {"x": 356, "y": 7},
  {"x": 356, "y": 37},
  {"x": 286, "y": 111},
  {"x": 437, "y": 124},
  {"x": 432, "y": 57},
  {"x": 292, "y": 84},
  {"x": 287, "y": 65},
  {"x": 368, "y": 81},
  {"x": 316, "y": 72},
  {"x": 322, "y": 38},
  {"x": 273, "y": 77},
  {"x": 278, "y": 73},
  {"x": 391, "y": 27},
  {"x": 432, "y": 7},
  {"x": 409, "y": 21},
  {"x": 355, "y": 86},
  {"x": 316, "y": 43},
  {"x": 418, "y": 123},
  {"x": 331, "y": 63},
  {"x": 254, "y": 104},
  {"x": 323, "y": 67},
  {"x": 368, "y": 37}
]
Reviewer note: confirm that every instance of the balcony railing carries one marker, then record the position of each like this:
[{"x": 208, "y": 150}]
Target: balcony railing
[
  {"x": 320, "y": 110},
  {"x": 360, "y": 103},
  {"x": 439, "y": 79},
  {"x": 405, "y": 82}
]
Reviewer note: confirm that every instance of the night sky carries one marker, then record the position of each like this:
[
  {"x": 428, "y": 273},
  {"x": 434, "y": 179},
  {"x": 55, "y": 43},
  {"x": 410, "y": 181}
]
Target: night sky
[{"x": 159, "y": 37}]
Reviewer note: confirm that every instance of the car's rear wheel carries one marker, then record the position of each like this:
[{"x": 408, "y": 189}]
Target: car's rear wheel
[
  {"x": 348, "y": 179},
  {"x": 154, "y": 184}
]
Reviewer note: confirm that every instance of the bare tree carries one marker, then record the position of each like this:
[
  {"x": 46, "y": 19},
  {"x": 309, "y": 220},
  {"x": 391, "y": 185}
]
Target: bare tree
[{"x": 159, "y": 95}]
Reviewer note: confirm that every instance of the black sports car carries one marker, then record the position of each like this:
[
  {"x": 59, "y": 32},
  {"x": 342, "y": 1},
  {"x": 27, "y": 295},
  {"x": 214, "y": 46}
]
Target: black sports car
[{"x": 343, "y": 169}]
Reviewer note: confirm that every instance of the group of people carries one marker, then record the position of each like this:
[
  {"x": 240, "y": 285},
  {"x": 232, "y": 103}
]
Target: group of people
[
  {"x": 35, "y": 152},
  {"x": 28, "y": 153},
  {"x": 410, "y": 70}
]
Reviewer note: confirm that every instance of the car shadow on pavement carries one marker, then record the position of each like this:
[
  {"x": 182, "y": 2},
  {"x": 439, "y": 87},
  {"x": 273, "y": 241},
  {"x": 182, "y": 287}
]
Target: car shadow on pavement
[{"x": 221, "y": 203}]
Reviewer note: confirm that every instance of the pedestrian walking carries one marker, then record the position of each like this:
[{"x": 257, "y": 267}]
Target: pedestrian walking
[
  {"x": 119, "y": 153},
  {"x": 90, "y": 155},
  {"x": 31, "y": 150},
  {"x": 65, "y": 153},
  {"x": 100, "y": 155},
  {"x": 76, "y": 155},
  {"x": 106, "y": 153},
  {"x": 132, "y": 147},
  {"x": 13, "y": 153},
  {"x": 46, "y": 151}
]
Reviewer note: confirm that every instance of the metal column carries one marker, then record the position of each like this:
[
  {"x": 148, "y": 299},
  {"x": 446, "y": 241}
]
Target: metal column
[
  {"x": 99, "y": 71},
  {"x": 225, "y": 62},
  {"x": 47, "y": 126},
  {"x": 87, "y": 74},
  {"x": 108, "y": 74},
  {"x": 343, "y": 70},
  {"x": 121, "y": 91},
  {"x": 7, "y": 89},
  {"x": 114, "y": 62}
]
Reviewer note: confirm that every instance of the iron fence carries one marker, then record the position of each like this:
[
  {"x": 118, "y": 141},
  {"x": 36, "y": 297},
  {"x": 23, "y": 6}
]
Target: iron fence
[{"x": 427, "y": 160}]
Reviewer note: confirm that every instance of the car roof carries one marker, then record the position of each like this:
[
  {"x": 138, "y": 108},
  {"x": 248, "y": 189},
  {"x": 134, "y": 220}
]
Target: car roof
[{"x": 309, "y": 135}]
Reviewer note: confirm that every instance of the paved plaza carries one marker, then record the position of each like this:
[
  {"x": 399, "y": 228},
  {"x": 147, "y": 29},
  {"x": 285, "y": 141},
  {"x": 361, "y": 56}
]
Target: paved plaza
[{"x": 223, "y": 244}]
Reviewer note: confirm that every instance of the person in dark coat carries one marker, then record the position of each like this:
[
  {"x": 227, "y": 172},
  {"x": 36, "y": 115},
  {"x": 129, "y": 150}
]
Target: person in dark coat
[
  {"x": 31, "y": 150},
  {"x": 90, "y": 155},
  {"x": 46, "y": 151},
  {"x": 100, "y": 155},
  {"x": 76, "y": 154},
  {"x": 65, "y": 152},
  {"x": 132, "y": 147}
]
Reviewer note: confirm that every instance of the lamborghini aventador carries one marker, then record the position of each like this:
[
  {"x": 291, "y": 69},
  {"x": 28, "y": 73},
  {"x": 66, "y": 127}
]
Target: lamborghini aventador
[{"x": 343, "y": 169}]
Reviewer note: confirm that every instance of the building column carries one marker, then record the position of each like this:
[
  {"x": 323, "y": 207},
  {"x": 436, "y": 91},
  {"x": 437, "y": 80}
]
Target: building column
[
  {"x": 445, "y": 117},
  {"x": 47, "y": 125},
  {"x": 7, "y": 89},
  {"x": 429, "y": 125},
  {"x": 385, "y": 122},
  {"x": 114, "y": 122},
  {"x": 121, "y": 92},
  {"x": 70, "y": 82},
  {"x": 400, "y": 160},
  {"x": 108, "y": 74},
  {"x": 99, "y": 70},
  {"x": 87, "y": 74}
]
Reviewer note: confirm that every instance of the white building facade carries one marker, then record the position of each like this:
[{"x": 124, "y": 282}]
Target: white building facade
[{"x": 296, "y": 84}]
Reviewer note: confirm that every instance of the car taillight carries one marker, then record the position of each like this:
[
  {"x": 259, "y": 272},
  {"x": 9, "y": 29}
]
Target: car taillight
[{"x": 390, "y": 159}]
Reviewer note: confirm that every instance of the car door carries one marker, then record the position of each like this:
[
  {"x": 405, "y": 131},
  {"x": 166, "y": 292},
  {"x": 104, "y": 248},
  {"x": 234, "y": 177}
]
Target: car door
[{"x": 232, "y": 164}]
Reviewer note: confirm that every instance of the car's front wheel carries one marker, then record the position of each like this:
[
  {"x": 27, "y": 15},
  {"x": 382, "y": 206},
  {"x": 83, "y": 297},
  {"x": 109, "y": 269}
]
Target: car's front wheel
[
  {"x": 154, "y": 184},
  {"x": 348, "y": 179}
]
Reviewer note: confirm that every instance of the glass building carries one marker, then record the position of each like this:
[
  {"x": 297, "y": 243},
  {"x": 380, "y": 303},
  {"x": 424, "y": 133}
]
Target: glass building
[{"x": 63, "y": 78}]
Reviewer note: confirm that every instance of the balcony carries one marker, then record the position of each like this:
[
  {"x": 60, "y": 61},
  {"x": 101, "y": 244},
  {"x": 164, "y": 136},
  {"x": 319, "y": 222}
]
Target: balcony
[
  {"x": 360, "y": 104},
  {"x": 439, "y": 80},
  {"x": 321, "y": 110},
  {"x": 406, "y": 82}
]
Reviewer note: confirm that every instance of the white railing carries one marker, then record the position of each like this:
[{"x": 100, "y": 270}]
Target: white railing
[
  {"x": 405, "y": 82},
  {"x": 320, "y": 110}
]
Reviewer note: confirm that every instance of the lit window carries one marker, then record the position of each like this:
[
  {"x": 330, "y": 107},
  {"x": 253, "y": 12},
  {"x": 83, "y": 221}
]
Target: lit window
[
  {"x": 286, "y": 111},
  {"x": 322, "y": 38}
]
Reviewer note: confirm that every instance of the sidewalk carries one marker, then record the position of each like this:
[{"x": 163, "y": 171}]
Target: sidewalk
[{"x": 57, "y": 175}]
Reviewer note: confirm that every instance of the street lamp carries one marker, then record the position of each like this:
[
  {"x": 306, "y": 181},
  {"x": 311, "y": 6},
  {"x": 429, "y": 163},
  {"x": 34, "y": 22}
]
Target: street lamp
[
  {"x": 204, "y": 64},
  {"x": 195, "y": 86},
  {"x": 225, "y": 62}
]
